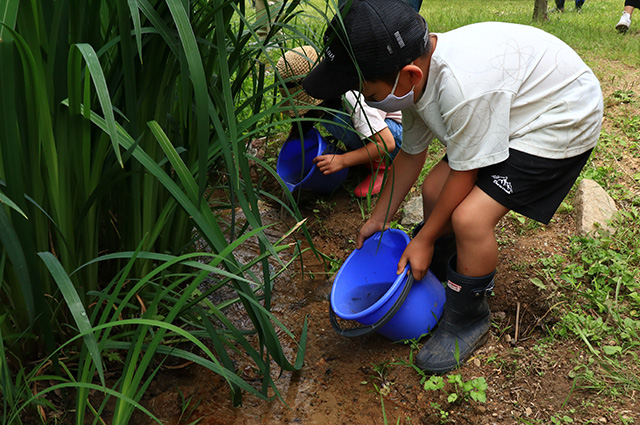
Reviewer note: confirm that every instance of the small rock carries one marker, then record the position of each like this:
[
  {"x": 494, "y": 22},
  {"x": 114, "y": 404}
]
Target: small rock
[
  {"x": 593, "y": 207},
  {"x": 602, "y": 420},
  {"x": 413, "y": 213}
]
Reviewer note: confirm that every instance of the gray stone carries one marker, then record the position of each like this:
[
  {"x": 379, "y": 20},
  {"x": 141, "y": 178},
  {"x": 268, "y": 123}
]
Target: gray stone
[
  {"x": 593, "y": 208},
  {"x": 412, "y": 213}
]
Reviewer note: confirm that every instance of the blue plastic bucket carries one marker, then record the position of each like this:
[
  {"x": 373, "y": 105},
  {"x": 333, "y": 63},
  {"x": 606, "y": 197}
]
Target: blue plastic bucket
[
  {"x": 368, "y": 291},
  {"x": 296, "y": 168}
]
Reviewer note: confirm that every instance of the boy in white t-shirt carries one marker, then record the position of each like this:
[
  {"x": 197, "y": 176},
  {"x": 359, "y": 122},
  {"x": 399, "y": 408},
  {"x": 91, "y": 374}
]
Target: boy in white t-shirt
[
  {"x": 369, "y": 134},
  {"x": 519, "y": 113}
]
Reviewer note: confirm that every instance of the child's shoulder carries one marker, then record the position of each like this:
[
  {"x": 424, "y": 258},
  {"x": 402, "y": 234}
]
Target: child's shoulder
[{"x": 353, "y": 97}]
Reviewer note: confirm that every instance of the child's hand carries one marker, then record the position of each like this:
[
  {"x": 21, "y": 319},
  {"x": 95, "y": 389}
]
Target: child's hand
[
  {"x": 418, "y": 254},
  {"x": 368, "y": 229},
  {"x": 329, "y": 164}
]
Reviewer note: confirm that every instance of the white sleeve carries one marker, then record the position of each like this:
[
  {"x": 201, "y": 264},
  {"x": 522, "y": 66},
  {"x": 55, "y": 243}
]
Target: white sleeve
[{"x": 416, "y": 136}]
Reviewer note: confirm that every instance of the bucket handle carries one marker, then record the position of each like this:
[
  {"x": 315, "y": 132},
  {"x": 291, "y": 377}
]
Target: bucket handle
[{"x": 366, "y": 330}]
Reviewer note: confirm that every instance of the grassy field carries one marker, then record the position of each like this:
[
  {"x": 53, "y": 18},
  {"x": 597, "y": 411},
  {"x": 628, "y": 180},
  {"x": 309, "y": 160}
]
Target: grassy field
[{"x": 590, "y": 32}]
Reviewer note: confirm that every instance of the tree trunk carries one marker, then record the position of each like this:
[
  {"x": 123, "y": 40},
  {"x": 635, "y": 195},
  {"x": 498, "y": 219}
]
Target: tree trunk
[{"x": 540, "y": 10}]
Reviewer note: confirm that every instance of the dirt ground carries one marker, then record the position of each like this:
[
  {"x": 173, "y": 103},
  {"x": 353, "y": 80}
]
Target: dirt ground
[{"x": 368, "y": 381}]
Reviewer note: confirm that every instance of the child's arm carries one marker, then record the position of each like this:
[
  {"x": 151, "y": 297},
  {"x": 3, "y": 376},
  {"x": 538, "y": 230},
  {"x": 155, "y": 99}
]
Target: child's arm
[
  {"x": 382, "y": 143},
  {"x": 420, "y": 250},
  {"x": 405, "y": 171}
]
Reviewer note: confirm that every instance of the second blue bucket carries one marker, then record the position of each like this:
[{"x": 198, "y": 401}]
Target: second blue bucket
[
  {"x": 296, "y": 168},
  {"x": 367, "y": 288}
]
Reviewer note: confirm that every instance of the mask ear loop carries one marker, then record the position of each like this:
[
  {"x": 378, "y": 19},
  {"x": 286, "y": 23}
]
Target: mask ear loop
[{"x": 395, "y": 84}]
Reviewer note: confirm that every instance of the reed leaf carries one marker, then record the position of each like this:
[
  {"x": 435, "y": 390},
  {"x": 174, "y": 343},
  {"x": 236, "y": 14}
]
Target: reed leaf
[
  {"x": 85, "y": 385},
  {"x": 97, "y": 76},
  {"x": 9, "y": 395},
  {"x": 75, "y": 306},
  {"x": 8, "y": 202},
  {"x": 15, "y": 252},
  {"x": 8, "y": 15}
]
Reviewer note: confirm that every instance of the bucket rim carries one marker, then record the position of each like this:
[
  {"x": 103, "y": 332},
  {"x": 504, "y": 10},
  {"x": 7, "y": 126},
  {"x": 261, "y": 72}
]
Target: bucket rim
[
  {"x": 397, "y": 284},
  {"x": 312, "y": 135}
]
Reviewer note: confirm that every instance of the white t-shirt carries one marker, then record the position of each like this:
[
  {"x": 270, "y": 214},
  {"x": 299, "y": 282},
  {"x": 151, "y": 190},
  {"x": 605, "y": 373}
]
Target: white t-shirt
[
  {"x": 366, "y": 120},
  {"x": 494, "y": 86}
]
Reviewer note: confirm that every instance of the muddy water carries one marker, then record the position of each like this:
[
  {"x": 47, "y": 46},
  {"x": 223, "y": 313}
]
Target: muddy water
[{"x": 333, "y": 386}]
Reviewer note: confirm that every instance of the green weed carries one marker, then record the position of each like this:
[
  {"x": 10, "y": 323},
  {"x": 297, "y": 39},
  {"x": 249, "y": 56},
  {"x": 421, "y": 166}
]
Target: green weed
[
  {"x": 444, "y": 415},
  {"x": 525, "y": 224},
  {"x": 460, "y": 390},
  {"x": 558, "y": 420},
  {"x": 599, "y": 286},
  {"x": 188, "y": 408},
  {"x": 381, "y": 385},
  {"x": 624, "y": 96},
  {"x": 332, "y": 264}
]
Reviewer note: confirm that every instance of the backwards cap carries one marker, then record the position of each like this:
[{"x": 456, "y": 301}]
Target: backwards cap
[{"x": 381, "y": 36}]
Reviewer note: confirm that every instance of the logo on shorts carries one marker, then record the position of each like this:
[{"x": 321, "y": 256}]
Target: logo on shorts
[
  {"x": 503, "y": 183},
  {"x": 453, "y": 286}
]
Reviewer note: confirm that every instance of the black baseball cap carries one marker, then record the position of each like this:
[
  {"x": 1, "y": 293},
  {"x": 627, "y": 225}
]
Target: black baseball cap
[{"x": 381, "y": 36}]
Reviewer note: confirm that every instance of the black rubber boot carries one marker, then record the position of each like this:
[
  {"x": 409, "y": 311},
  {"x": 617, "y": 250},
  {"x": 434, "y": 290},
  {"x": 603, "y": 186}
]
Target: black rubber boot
[
  {"x": 443, "y": 249},
  {"x": 464, "y": 325}
]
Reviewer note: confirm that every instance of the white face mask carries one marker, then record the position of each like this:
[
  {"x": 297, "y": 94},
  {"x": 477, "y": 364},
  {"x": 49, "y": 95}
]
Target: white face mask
[{"x": 393, "y": 103}]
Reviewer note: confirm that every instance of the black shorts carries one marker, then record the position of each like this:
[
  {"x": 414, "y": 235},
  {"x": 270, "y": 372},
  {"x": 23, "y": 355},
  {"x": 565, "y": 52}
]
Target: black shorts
[{"x": 530, "y": 185}]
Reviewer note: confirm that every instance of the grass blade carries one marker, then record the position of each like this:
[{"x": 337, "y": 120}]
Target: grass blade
[
  {"x": 100, "y": 84},
  {"x": 13, "y": 247},
  {"x": 5, "y": 200},
  {"x": 75, "y": 306}
]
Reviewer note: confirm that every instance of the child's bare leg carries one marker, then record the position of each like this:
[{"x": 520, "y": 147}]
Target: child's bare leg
[
  {"x": 445, "y": 246},
  {"x": 432, "y": 186},
  {"x": 474, "y": 222}
]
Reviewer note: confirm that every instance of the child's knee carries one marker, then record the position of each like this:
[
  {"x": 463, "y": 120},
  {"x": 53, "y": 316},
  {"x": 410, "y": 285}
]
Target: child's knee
[{"x": 466, "y": 221}]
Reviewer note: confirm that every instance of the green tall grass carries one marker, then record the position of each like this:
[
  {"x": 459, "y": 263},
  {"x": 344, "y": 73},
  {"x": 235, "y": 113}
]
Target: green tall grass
[{"x": 120, "y": 118}]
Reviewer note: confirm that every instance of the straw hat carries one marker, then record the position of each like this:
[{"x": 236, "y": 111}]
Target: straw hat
[{"x": 293, "y": 66}]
